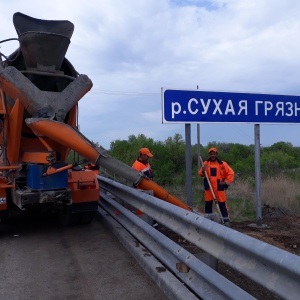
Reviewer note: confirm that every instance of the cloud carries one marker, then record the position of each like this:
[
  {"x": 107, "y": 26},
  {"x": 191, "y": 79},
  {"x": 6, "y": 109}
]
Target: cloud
[{"x": 130, "y": 49}]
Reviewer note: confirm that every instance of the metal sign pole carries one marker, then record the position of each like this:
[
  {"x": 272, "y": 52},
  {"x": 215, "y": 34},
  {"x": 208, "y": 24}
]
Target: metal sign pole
[
  {"x": 198, "y": 142},
  {"x": 257, "y": 175},
  {"x": 198, "y": 145},
  {"x": 188, "y": 161}
]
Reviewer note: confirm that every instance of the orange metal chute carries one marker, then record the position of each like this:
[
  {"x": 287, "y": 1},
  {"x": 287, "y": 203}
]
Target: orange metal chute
[
  {"x": 161, "y": 193},
  {"x": 2, "y": 103},
  {"x": 64, "y": 135},
  {"x": 14, "y": 129},
  {"x": 68, "y": 137}
]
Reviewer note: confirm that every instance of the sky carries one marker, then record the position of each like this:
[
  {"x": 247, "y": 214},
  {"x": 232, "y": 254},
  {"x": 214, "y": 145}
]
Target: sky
[{"x": 131, "y": 49}]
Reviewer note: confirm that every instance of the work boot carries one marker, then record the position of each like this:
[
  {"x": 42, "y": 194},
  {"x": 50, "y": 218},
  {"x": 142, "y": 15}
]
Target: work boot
[
  {"x": 213, "y": 217},
  {"x": 227, "y": 224}
]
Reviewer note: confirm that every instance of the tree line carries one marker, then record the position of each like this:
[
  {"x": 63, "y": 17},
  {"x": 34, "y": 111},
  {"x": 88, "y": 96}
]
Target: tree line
[
  {"x": 169, "y": 167},
  {"x": 168, "y": 162}
]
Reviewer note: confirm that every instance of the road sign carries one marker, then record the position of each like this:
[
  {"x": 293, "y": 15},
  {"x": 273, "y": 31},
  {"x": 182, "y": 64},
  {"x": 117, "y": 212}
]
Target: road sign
[{"x": 195, "y": 106}]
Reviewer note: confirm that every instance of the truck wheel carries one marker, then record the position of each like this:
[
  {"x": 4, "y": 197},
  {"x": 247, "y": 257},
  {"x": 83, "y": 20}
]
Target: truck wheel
[
  {"x": 87, "y": 217},
  {"x": 67, "y": 218}
]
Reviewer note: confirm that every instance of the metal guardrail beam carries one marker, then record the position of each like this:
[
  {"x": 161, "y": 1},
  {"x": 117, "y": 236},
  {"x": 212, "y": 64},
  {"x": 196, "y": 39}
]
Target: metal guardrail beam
[
  {"x": 274, "y": 269},
  {"x": 204, "y": 281},
  {"x": 166, "y": 280}
]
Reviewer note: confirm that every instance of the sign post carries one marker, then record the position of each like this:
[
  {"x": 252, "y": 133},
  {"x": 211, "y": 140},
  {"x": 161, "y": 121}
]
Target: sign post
[
  {"x": 257, "y": 176},
  {"x": 188, "y": 165},
  {"x": 180, "y": 106},
  {"x": 196, "y": 106}
]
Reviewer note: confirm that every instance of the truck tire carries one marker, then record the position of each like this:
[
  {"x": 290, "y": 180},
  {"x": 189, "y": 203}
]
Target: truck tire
[
  {"x": 67, "y": 218},
  {"x": 86, "y": 217}
]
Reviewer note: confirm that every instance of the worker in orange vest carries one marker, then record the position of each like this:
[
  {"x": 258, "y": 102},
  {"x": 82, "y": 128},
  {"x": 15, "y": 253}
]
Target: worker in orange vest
[
  {"x": 92, "y": 167},
  {"x": 142, "y": 164},
  {"x": 220, "y": 175}
]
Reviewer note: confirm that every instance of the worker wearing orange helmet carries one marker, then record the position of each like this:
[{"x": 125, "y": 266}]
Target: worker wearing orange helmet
[
  {"x": 142, "y": 164},
  {"x": 220, "y": 175},
  {"x": 92, "y": 167}
]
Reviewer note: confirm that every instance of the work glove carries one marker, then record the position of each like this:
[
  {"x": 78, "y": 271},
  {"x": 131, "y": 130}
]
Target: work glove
[
  {"x": 203, "y": 169},
  {"x": 150, "y": 176},
  {"x": 224, "y": 184}
]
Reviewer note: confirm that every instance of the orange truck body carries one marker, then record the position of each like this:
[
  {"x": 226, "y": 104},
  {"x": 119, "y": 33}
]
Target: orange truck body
[
  {"x": 37, "y": 81},
  {"x": 39, "y": 94}
]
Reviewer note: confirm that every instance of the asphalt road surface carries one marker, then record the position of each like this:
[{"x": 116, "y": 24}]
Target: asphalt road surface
[{"x": 39, "y": 259}]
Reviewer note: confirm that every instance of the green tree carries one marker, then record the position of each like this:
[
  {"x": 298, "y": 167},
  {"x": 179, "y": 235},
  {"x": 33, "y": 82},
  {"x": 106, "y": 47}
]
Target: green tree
[{"x": 168, "y": 162}]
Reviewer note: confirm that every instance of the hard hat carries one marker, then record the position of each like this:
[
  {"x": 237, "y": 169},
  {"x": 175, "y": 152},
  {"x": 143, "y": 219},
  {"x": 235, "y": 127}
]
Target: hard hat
[
  {"x": 213, "y": 149},
  {"x": 146, "y": 151}
]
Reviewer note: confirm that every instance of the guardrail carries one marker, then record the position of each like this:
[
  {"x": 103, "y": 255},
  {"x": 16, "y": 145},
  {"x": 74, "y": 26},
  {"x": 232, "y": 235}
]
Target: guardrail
[{"x": 274, "y": 269}]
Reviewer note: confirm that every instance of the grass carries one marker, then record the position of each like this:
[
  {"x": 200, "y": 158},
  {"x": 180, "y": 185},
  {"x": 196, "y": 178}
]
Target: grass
[
  {"x": 241, "y": 201},
  {"x": 280, "y": 192}
]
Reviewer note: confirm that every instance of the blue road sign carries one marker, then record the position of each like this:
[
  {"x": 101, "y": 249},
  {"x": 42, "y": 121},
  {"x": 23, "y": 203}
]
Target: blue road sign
[{"x": 195, "y": 106}]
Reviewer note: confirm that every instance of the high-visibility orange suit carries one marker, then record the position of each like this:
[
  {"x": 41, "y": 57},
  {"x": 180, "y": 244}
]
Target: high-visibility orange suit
[
  {"x": 142, "y": 164},
  {"x": 220, "y": 175},
  {"x": 217, "y": 172}
]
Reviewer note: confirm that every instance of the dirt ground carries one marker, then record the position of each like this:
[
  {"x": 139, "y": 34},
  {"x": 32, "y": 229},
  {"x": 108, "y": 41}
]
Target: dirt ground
[
  {"x": 282, "y": 232},
  {"x": 279, "y": 229}
]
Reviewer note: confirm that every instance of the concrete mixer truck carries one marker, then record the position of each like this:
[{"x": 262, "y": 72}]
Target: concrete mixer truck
[{"x": 39, "y": 94}]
